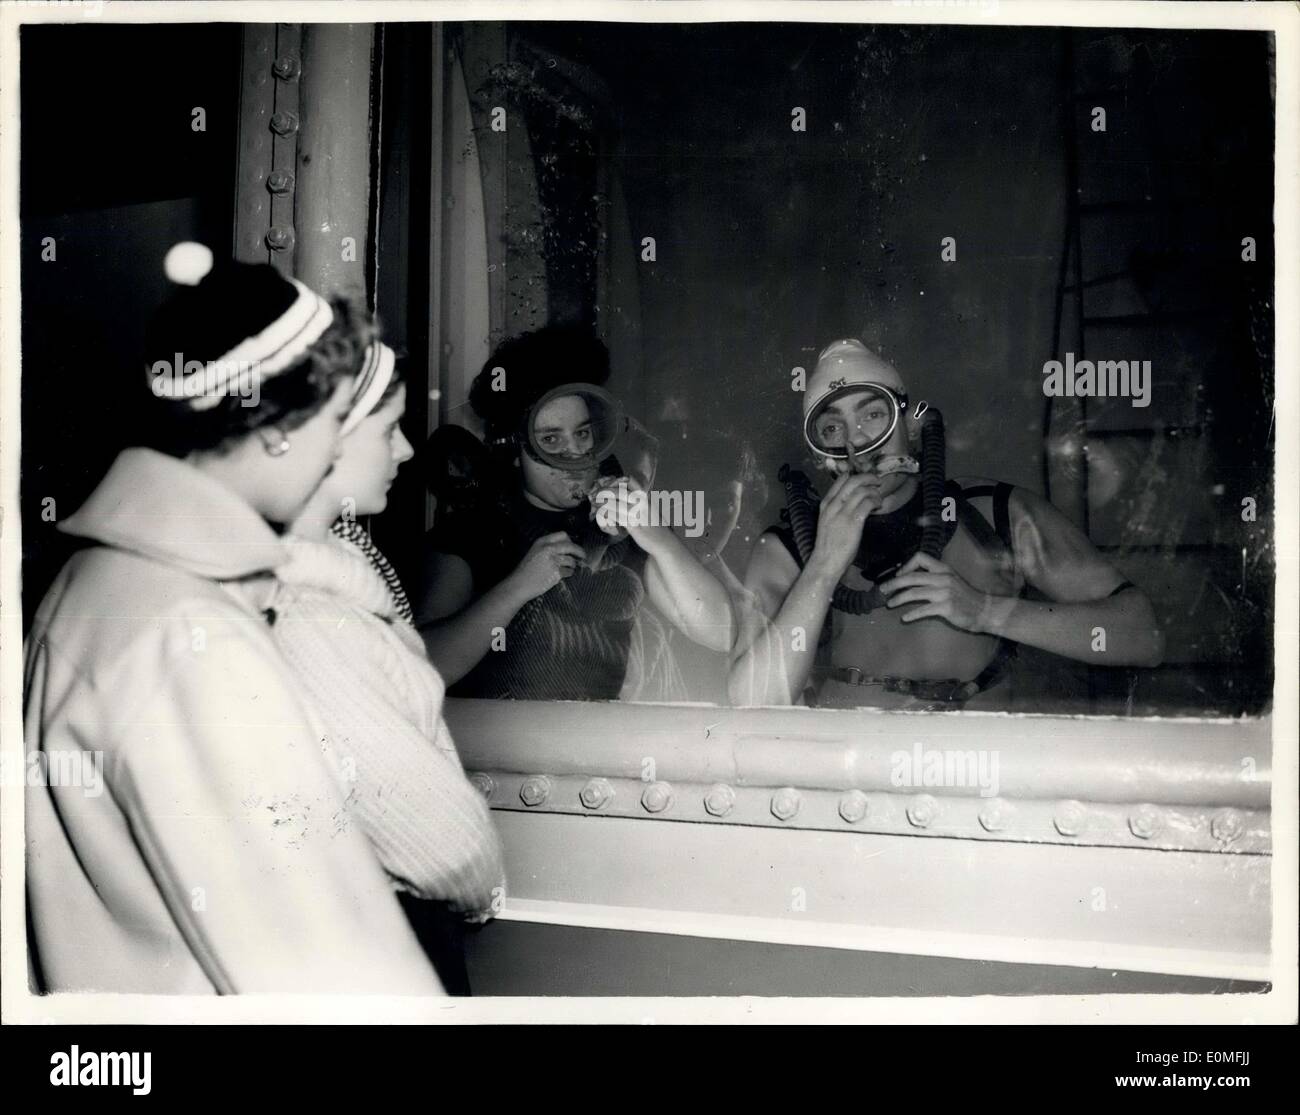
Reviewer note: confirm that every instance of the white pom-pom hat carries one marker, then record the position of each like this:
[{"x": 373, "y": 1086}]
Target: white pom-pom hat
[
  {"x": 187, "y": 262},
  {"x": 226, "y": 324}
]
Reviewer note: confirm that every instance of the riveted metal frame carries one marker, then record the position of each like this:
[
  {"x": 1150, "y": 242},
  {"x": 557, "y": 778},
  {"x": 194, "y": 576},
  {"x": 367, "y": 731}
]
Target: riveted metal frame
[
  {"x": 1168, "y": 785},
  {"x": 896, "y": 813},
  {"x": 1060, "y": 867},
  {"x": 269, "y": 115}
]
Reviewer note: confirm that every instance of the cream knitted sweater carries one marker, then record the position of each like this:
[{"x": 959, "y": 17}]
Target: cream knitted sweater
[{"x": 380, "y": 700}]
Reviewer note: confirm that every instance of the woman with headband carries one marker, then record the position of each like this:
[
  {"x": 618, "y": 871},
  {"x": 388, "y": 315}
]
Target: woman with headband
[
  {"x": 203, "y": 854},
  {"x": 345, "y": 629}
]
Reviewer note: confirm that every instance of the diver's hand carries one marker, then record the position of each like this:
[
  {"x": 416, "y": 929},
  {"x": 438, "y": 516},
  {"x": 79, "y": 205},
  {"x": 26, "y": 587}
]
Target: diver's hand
[
  {"x": 940, "y": 592},
  {"x": 549, "y": 560},
  {"x": 839, "y": 529},
  {"x": 618, "y": 504}
]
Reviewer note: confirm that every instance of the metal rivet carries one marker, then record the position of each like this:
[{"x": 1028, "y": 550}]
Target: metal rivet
[
  {"x": 1145, "y": 822},
  {"x": 596, "y": 793},
  {"x": 657, "y": 797},
  {"x": 535, "y": 790},
  {"x": 287, "y": 67},
  {"x": 786, "y": 803},
  {"x": 853, "y": 806},
  {"x": 1070, "y": 818},
  {"x": 995, "y": 815},
  {"x": 279, "y": 181},
  {"x": 482, "y": 783},
  {"x": 1227, "y": 826},
  {"x": 279, "y": 239},
  {"x": 284, "y": 123},
  {"x": 922, "y": 811},
  {"x": 720, "y": 800}
]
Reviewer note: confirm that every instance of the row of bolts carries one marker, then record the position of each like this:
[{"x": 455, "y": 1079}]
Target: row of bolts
[
  {"x": 283, "y": 123},
  {"x": 1070, "y": 819}
]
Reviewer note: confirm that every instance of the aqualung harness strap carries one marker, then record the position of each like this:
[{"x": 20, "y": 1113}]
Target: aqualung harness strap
[{"x": 978, "y": 525}]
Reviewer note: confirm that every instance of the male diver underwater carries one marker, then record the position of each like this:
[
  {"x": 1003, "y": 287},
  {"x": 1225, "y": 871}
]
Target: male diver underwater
[{"x": 904, "y": 588}]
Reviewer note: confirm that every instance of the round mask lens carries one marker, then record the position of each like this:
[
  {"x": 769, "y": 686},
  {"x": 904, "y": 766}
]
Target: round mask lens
[
  {"x": 859, "y": 415},
  {"x": 574, "y": 427}
]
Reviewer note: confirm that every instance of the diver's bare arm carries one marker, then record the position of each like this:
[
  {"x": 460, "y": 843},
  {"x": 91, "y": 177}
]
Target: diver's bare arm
[
  {"x": 458, "y": 633},
  {"x": 688, "y": 594},
  {"x": 1120, "y": 630},
  {"x": 799, "y": 600},
  {"x": 772, "y": 664},
  {"x": 1080, "y": 620}
]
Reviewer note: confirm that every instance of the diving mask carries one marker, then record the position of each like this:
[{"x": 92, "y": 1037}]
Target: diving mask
[{"x": 852, "y": 419}]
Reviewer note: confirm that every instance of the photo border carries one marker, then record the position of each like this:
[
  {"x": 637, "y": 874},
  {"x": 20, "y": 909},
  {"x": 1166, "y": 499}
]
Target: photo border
[{"x": 17, "y": 1004}]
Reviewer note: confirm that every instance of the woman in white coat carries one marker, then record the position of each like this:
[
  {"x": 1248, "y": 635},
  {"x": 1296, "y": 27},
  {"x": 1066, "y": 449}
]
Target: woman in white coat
[
  {"x": 345, "y": 629},
  {"x": 207, "y": 853}
]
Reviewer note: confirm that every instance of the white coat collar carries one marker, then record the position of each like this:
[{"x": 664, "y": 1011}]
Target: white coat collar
[{"x": 162, "y": 508}]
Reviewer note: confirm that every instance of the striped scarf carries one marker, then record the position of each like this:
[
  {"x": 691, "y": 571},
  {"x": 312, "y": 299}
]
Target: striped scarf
[{"x": 352, "y": 531}]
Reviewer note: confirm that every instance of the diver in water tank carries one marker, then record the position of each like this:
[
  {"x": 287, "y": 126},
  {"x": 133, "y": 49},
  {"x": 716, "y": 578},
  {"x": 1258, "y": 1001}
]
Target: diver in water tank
[
  {"x": 902, "y": 587},
  {"x": 542, "y": 556}
]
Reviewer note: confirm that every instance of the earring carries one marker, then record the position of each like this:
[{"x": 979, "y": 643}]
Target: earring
[{"x": 278, "y": 449}]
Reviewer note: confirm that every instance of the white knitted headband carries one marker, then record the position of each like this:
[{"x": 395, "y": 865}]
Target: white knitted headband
[
  {"x": 372, "y": 381},
  {"x": 274, "y": 349}
]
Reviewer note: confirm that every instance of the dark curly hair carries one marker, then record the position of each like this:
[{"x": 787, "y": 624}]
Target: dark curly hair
[
  {"x": 533, "y": 364},
  {"x": 286, "y": 401}
]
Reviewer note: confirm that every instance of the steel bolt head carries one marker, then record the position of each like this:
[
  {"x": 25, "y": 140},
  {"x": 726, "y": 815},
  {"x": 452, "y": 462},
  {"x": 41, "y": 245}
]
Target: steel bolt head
[
  {"x": 1227, "y": 826},
  {"x": 853, "y": 806},
  {"x": 785, "y": 803},
  {"x": 720, "y": 800},
  {"x": 279, "y": 239},
  {"x": 657, "y": 797},
  {"x": 995, "y": 815},
  {"x": 596, "y": 793},
  {"x": 287, "y": 67},
  {"x": 1070, "y": 818},
  {"x": 535, "y": 790},
  {"x": 1145, "y": 822},
  {"x": 279, "y": 181},
  {"x": 483, "y": 783},
  {"x": 284, "y": 123},
  {"x": 922, "y": 811}
]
